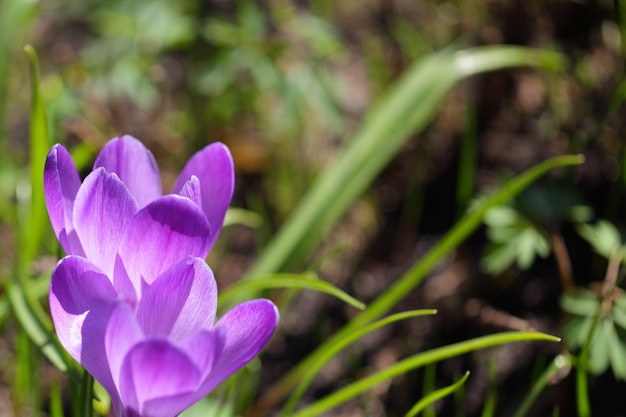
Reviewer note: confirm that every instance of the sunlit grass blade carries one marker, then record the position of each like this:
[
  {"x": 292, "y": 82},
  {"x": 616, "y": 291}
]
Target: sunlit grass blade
[
  {"x": 40, "y": 334},
  {"x": 243, "y": 217},
  {"x": 28, "y": 311},
  {"x": 405, "y": 284},
  {"x": 558, "y": 365},
  {"x": 332, "y": 350},
  {"x": 421, "y": 359},
  {"x": 436, "y": 396},
  {"x": 408, "y": 107},
  {"x": 34, "y": 224},
  {"x": 300, "y": 281}
]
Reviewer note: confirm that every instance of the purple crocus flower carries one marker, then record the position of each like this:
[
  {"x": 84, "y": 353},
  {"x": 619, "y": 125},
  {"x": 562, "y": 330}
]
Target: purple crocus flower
[
  {"x": 207, "y": 179},
  {"x": 134, "y": 302}
]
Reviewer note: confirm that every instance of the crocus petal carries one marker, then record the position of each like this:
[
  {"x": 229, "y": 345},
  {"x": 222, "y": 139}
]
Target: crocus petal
[
  {"x": 160, "y": 235},
  {"x": 204, "y": 348},
  {"x": 180, "y": 302},
  {"x": 81, "y": 299},
  {"x": 135, "y": 165},
  {"x": 214, "y": 167},
  {"x": 156, "y": 369},
  {"x": 102, "y": 212},
  {"x": 191, "y": 190},
  {"x": 247, "y": 327},
  {"x": 61, "y": 183},
  {"x": 122, "y": 333}
]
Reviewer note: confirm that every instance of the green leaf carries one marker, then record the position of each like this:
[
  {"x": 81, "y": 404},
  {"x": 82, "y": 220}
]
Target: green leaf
[
  {"x": 435, "y": 355},
  {"x": 617, "y": 350},
  {"x": 603, "y": 237},
  {"x": 599, "y": 349},
  {"x": 619, "y": 315},
  {"x": 582, "y": 303},
  {"x": 437, "y": 395},
  {"x": 301, "y": 281}
]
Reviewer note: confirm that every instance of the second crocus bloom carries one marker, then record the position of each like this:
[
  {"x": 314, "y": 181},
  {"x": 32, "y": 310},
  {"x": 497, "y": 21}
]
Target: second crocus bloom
[{"x": 207, "y": 179}]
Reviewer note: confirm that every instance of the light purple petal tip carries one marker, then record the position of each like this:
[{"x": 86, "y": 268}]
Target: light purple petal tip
[
  {"x": 102, "y": 213},
  {"x": 191, "y": 190},
  {"x": 61, "y": 183},
  {"x": 180, "y": 302},
  {"x": 214, "y": 167},
  {"x": 160, "y": 235},
  {"x": 135, "y": 165},
  {"x": 247, "y": 327}
]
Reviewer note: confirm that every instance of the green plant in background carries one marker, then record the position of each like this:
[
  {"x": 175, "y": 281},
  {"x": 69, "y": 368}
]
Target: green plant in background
[
  {"x": 529, "y": 226},
  {"x": 597, "y": 322}
]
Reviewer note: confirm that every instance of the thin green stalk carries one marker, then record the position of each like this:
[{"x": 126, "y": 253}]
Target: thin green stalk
[
  {"x": 468, "y": 156},
  {"x": 435, "y": 355},
  {"x": 429, "y": 399},
  {"x": 430, "y": 372},
  {"x": 489, "y": 407},
  {"x": 559, "y": 363}
]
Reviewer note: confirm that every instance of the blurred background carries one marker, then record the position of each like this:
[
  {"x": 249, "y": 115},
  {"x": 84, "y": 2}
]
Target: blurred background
[{"x": 284, "y": 84}]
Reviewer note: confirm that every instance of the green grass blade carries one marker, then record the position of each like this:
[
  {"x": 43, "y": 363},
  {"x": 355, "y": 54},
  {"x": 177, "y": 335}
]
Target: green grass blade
[
  {"x": 430, "y": 380},
  {"x": 299, "y": 281},
  {"x": 332, "y": 350},
  {"x": 421, "y": 359},
  {"x": 559, "y": 363},
  {"x": 408, "y": 107},
  {"x": 28, "y": 311},
  {"x": 416, "y": 274},
  {"x": 39, "y": 333},
  {"x": 35, "y": 223},
  {"x": 436, "y": 396}
]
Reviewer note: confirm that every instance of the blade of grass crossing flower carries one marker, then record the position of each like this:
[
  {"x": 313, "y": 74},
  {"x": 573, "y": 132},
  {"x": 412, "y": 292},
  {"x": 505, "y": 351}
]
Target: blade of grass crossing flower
[
  {"x": 300, "y": 281},
  {"x": 421, "y": 359},
  {"x": 408, "y": 107},
  {"x": 332, "y": 350},
  {"x": 405, "y": 284},
  {"x": 435, "y": 396},
  {"x": 559, "y": 363}
]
